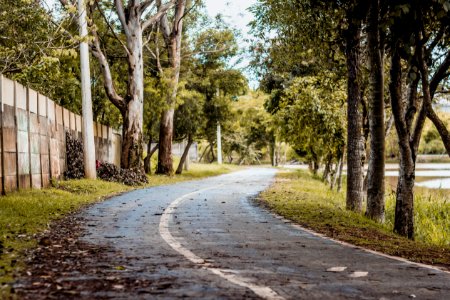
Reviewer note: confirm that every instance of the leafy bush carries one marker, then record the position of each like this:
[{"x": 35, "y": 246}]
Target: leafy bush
[
  {"x": 431, "y": 134},
  {"x": 105, "y": 171},
  {"x": 74, "y": 153},
  {"x": 110, "y": 172},
  {"x": 434, "y": 147}
]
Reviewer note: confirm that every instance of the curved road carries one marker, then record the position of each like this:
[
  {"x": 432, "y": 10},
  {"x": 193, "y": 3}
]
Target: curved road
[{"x": 207, "y": 239}]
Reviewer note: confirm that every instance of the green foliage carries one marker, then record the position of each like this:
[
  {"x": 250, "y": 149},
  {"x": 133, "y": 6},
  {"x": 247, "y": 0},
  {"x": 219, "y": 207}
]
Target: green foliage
[
  {"x": 252, "y": 133},
  {"x": 189, "y": 117},
  {"x": 431, "y": 216},
  {"x": 213, "y": 48},
  {"x": 431, "y": 143},
  {"x": 311, "y": 117},
  {"x": 297, "y": 37},
  {"x": 38, "y": 53}
]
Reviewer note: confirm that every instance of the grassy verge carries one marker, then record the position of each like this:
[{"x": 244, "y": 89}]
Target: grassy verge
[
  {"x": 307, "y": 201},
  {"x": 26, "y": 213}
]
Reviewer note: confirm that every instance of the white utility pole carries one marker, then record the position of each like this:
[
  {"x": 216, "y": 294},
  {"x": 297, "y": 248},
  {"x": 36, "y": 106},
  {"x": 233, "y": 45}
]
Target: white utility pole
[
  {"x": 219, "y": 145},
  {"x": 88, "y": 128}
]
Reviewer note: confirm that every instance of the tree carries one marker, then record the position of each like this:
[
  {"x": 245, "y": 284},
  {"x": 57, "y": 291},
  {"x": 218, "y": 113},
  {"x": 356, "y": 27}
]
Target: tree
[
  {"x": 189, "y": 119},
  {"x": 211, "y": 77},
  {"x": 355, "y": 14},
  {"x": 172, "y": 38},
  {"x": 313, "y": 36},
  {"x": 375, "y": 173},
  {"x": 133, "y": 20},
  {"x": 413, "y": 50},
  {"x": 154, "y": 90},
  {"x": 311, "y": 118}
]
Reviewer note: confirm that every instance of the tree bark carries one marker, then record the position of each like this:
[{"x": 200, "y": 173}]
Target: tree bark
[
  {"x": 165, "y": 162},
  {"x": 272, "y": 146},
  {"x": 204, "y": 152},
  {"x": 184, "y": 156},
  {"x": 336, "y": 174},
  {"x": 341, "y": 170},
  {"x": 172, "y": 37},
  {"x": 354, "y": 168},
  {"x": 328, "y": 166},
  {"x": 131, "y": 156},
  {"x": 404, "y": 213},
  {"x": 134, "y": 116},
  {"x": 148, "y": 158},
  {"x": 376, "y": 168},
  {"x": 211, "y": 151}
]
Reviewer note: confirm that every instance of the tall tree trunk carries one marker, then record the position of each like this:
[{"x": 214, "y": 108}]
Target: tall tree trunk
[
  {"x": 341, "y": 171},
  {"x": 211, "y": 151},
  {"x": 165, "y": 162},
  {"x": 203, "y": 154},
  {"x": 375, "y": 173},
  {"x": 336, "y": 174},
  {"x": 184, "y": 156},
  {"x": 404, "y": 213},
  {"x": 134, "y": 116},
  {"x": 148, "y": 158},
  {"x": 328, "y": 166},
  {"x": 132, "y": 139},
  {"x": 272, "y": 145},
  {"x": 172, "y": 37},
  {"x": 354, "y": 168}
]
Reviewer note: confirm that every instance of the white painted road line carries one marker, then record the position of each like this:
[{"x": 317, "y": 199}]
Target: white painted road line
[{"x": 229, "y": 275}]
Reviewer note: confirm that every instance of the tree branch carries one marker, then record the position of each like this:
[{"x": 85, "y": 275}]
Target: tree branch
[
  {"x": 162, "y": 9},
  {"x": 108, "y": 82},
  {"x": 427, "y": 100},
  {"x": 112, "y": 29},
  {"x": 121, "y": 15},
  {"x": 144, "y": 5},
  {"x": 439, "y": 75}
]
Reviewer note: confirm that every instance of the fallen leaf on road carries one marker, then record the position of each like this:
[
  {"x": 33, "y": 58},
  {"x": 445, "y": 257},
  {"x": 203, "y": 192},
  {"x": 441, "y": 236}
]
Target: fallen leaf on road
[
  {"x": 336, "y": 269},
  {"x": 118, "y": 287},
  {"x": 358, "y": 274}
]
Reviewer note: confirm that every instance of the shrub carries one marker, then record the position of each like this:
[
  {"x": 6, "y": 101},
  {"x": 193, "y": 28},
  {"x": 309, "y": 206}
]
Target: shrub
[
  {"x": 74, "y": 152},
  {"x": 110, "y": 172},
  {"x": 434, "y": 147}
]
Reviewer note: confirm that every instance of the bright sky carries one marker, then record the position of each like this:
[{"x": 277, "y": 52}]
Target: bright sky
[{"x": 235, "y": 13}]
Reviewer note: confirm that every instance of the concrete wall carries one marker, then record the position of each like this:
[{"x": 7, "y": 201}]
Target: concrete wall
[{"x": 32, "y": 138}]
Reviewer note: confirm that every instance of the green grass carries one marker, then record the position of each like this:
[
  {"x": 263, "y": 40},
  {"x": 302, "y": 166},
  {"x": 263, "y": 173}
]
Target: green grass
[
  {"x": 196, "y": 171},
  {"x": 306, "y": 200},
  {"x": 431, "y": 215},
  {"x": 26, "y": 213}
]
